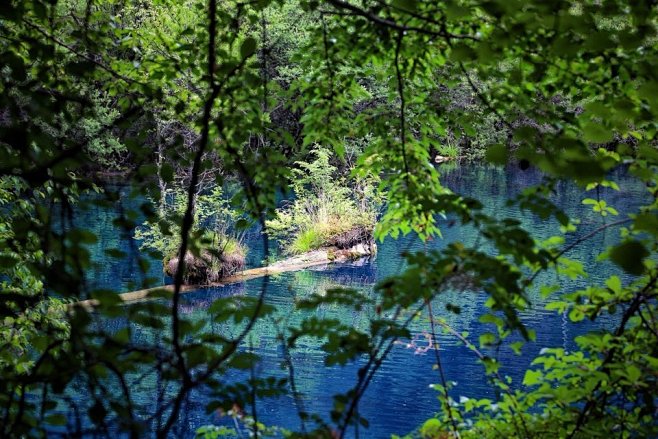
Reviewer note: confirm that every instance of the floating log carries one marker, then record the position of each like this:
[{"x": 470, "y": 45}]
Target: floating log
[{"x": 324, "y": 256}]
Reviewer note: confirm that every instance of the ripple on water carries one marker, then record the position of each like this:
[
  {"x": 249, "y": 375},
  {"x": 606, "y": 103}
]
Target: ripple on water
[{"x": 399, "y": 397}]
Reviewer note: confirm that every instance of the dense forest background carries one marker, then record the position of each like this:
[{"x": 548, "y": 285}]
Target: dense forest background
[{"x": 211, "y": 112}]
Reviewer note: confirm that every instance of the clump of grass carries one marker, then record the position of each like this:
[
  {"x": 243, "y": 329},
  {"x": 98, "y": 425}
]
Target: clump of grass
[
  {"x": 325, "y": 206},
  {"x": 306, "y": 241},
  {"x": 449, "y": 150}
]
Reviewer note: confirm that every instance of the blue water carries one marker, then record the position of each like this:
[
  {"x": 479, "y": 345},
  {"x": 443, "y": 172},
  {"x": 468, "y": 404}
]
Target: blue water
[{"x": 399, "y": 398}]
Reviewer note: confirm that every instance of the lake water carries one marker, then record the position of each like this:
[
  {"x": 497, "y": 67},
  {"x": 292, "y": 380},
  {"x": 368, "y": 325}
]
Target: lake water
[{"x": 399, "y": 398}]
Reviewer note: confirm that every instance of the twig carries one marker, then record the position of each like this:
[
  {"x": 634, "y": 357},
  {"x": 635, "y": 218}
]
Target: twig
[
  {"x": 444, "y": 383},
  {"x": 299, "y": 404},
  {"x": 394, "y": 25},
  {"x": 400, "y": 81},
  {"x": 82, "y": 55},
  {"x": 188, "y": 220},
  {"x": 632, "y": 309},
  {"x": 578, "y": 241},
  {"x": 252, "y": 373},
  {"x": 516, "y": 409}
]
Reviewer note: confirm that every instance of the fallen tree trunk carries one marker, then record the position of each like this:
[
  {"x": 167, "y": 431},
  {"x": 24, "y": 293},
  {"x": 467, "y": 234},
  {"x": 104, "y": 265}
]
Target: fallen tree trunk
[{"x": 324, "y": 256}]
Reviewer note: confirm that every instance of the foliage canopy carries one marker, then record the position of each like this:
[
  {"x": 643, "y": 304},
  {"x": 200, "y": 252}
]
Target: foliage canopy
[{"x": 197, "y": 92}]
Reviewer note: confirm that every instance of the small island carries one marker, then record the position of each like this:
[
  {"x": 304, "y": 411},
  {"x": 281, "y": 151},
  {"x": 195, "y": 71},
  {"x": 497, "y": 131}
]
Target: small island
[{"x": 329, "y": 217}]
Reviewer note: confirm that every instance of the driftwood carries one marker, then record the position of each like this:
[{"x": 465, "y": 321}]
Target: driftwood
[
  {"x": 311, "y": 259},
  {"x": 348, "y": 246}
]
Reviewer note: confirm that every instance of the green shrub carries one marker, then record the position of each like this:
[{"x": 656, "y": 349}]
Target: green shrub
[
  {"x": 325, "y": 205},
  {"x": 215, "y": 242}
]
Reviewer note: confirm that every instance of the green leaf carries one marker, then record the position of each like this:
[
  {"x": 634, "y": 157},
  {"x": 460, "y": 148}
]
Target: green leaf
[
  {"x": 462, "y": 52},
  {"x": 248, "y": 47},
  {"x": 16, "y": 64},
  {"x": 454, "y": 12},
  {"x": 432, "y": 428},
  {"x": 97, "y": 413},
  {"x": 115, "y": 253},
  {"x": 648, "y": 153},
  {"x": 106, "y": 297},
  {"x": 630, "y": 257},
  {"x": 516, "y": 347},
  {"x": 7, "y": 261},
  {"x": 487, "y": 339},
  {"x": 633, "y": 373},
  {"x": 167, "y": 173},
  {"x": 647, "y": 222},
  {"x": 407, "y": 5},
  {"x": 497, "y": 154},
  {"x": 559, "y": 306},
  {"x": 596, "y": 133},
  {"x": 56, "y": 419},
  {"x": 614, "y": 283},
  {"x": 576, "y": 315},
  {"x": 532, "y": 377}
]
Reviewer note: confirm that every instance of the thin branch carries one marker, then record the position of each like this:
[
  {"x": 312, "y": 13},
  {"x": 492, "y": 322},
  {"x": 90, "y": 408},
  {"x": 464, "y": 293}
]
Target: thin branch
[
  {"x": 400, "y": 81},
  {"x": 377, "y": 357},
  {"x": 648, "y": 325},
  {"x": 632, "y": 309},
  {"x": 299, "y": 404},
  {"x": 444, "y": 383},
  {"x": 578, "y": 241},
  {"x": 188, "y": 219},
  {"x": 126, "y": 395},
  {"x": 81, "y": 55},
  {"x": 355, "y": 10},
  {"x": 330, "y": 68},
  {"x": 252, "y": 373},
  {"x": 485, "y": 101},
  {"x": 496, "y": 376}
]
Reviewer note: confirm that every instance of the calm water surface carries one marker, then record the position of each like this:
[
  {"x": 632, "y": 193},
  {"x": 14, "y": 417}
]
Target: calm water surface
[{"x": 399, "y": 398}]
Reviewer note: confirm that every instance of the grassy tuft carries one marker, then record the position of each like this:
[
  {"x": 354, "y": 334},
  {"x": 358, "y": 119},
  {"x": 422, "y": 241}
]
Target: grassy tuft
[
  {"x": 450, "y": 150},
  {"x": 306, "y": 241}
]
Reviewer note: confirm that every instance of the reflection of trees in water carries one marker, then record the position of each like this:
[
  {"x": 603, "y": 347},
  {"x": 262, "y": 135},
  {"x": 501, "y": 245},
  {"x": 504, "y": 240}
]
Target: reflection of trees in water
[
  {"x": 357, "y": 274},
  {"x": 310, "y": 282},
  {"x": 308, "y": 356},
  {"x": 198, "y": 302},
  {"x": 286, "y": 290}
]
